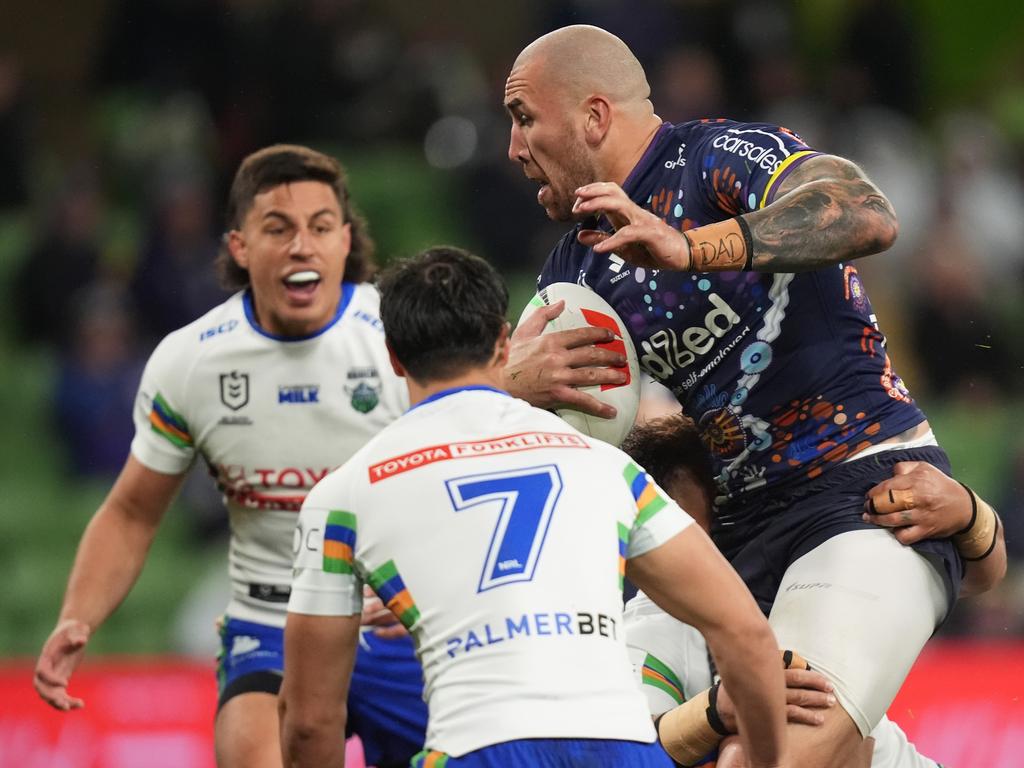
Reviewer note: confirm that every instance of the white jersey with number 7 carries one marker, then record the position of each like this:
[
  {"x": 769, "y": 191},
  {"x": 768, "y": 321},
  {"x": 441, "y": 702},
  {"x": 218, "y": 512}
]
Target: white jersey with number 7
[{"x": 498, "y": 535}]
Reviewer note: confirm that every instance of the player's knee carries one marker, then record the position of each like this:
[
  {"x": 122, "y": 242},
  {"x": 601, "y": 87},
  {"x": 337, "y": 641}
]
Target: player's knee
[{"x": 246, "y": 732}]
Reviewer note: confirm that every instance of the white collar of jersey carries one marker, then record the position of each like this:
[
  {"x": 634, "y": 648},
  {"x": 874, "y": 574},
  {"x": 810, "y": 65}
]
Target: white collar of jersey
[
  {"x": 455, "y": 390},
  {"x": 347, "y": 292}
]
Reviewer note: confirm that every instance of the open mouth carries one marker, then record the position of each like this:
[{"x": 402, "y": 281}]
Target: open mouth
[{"x": 302, "y": 284}]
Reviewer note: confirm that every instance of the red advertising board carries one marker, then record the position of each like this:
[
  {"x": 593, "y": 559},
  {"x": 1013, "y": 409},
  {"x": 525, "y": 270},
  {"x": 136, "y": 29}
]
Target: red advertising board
[
  {"x": 138, "y": 712},
  {"x": 962, "y": 705}
]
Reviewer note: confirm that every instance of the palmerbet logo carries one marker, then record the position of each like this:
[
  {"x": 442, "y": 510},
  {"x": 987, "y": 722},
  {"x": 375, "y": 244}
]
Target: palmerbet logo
[{"x": 298, "y": 393}]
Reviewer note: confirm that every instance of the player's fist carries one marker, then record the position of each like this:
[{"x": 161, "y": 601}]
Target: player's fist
[{"x": 61, "y": 654}]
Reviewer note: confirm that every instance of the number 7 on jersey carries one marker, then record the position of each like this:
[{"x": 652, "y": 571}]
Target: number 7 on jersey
[{"x": 525, "y": 499}]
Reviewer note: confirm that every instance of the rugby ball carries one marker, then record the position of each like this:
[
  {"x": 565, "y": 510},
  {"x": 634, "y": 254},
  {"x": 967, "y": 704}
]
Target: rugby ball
[{"x": 583, "y": 307}]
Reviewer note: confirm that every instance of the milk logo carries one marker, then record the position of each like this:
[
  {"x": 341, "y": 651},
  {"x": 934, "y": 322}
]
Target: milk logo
[
  {"x": 667, "y": 351},
  {"x": 298, "y": 393},
  {"x": 680, "y": 161}
]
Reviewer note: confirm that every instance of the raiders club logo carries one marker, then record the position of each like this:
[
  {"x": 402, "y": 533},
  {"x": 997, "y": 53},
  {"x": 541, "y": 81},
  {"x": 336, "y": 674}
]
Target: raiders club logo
[
  {"x": 363, "y": 387},
  {"x": 234, "y": 389}
]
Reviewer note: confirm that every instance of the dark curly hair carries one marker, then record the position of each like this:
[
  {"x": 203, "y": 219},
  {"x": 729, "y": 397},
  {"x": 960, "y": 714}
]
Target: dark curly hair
[
  {"x": 668, "y": 446},
  {"x": 285, "y": 164}
]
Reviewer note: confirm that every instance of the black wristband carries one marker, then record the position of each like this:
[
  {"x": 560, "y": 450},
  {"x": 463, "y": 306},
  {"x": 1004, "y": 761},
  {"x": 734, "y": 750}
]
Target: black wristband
[
  {"x": 748, "y": 241},
  {"x": 974, "y": 512},
  {"x": 714, "y": 719}
]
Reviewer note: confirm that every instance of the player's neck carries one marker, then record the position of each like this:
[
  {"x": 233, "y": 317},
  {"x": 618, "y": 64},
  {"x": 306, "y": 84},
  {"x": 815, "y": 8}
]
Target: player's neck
[
  {"x": 485, "y": 376},
  {"x": 634, "y": 143}
]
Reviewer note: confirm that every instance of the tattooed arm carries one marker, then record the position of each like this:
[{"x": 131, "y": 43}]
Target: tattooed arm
[{"x": 826, "y": 212}]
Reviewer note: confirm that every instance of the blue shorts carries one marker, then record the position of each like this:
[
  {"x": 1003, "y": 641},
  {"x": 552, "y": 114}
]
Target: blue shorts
[
  {"x": 552, "y": 753},
  {"x": 385, "y": 702},
  {"x": 772, "y": 531}
]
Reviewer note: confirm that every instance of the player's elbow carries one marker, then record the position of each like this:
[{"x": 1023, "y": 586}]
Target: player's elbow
[
  {"x": 881, "y": 227},
  {"x": 981, "y": 577},
  {"x": 888, "y": 229},
  {"x": 305, "y": 729},
  {"x": 747, "y": 639},
  {"x": 758, "y": 636}
]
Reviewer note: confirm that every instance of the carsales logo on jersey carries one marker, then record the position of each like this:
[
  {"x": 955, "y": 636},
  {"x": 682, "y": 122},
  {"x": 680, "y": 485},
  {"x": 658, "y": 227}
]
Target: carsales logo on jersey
[{"x": 764, "y": 157}]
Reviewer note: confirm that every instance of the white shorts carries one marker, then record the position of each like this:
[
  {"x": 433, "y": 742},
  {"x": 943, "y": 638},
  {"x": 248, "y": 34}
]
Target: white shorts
[{"x": 859, "y": 607}]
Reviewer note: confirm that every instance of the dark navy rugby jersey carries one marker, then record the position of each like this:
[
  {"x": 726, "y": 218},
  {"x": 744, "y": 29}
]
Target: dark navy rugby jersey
[{"x": 785, "y": 374}]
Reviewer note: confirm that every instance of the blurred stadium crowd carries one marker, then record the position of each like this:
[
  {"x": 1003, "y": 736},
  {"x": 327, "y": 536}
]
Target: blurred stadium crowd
[{"x": 122, "y": 121}]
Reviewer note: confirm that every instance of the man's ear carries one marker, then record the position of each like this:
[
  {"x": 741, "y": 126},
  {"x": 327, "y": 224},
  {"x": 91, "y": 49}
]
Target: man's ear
[
  {"x": 236, "y": 247},
  {"x": 501, "y": 346},
  {"x": 598, "y": 120},
  {"x": 396, "y": 366}
]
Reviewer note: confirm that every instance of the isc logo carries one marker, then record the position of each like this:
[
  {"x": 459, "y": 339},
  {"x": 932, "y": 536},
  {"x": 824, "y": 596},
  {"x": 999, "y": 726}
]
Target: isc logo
[
  {"x": 299, "y": 393},
  {"x": 222, "y": 328}
]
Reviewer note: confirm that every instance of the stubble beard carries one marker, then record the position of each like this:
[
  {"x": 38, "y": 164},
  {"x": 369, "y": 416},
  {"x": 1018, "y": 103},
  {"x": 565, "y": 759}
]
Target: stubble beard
[{"x": 578, "y": 171}]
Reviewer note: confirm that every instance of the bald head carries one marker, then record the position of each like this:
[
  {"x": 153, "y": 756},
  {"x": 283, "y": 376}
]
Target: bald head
[
  {"x": 581, "y": 112},
  {"x": 588, "y": 60}
]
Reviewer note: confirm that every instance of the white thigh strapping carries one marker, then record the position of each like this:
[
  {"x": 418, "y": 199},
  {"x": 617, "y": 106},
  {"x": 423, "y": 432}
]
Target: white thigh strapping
[{"x": 859, "y": 607}]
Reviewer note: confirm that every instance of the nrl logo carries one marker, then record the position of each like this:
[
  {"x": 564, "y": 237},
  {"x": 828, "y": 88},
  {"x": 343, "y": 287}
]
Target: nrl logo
[{"x": 234, "y": 389}]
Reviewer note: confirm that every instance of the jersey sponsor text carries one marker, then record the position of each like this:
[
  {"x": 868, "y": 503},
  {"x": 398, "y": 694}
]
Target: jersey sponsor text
[
  {"x": 539, "y": 624},
  {"x": 524, "y": 441}
]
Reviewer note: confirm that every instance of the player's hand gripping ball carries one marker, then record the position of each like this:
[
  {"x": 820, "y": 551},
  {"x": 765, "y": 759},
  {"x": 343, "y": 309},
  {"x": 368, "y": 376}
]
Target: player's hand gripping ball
[{"x": 583, "y": 307}]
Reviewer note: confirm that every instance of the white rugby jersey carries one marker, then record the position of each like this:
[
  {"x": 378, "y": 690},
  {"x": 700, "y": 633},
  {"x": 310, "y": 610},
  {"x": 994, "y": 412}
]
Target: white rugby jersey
[
  {"x": 271, "y": 416},
  {"x": 669, "y": 657},
  {"x": 498, "y": 535},
  {"x": 671, "y": 665}
]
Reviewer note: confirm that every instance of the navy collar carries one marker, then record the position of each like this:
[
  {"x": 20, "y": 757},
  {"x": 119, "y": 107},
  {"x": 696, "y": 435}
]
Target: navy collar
[
  {"x": 641, "y": 167},
  {"x": 347, "y": 291},
  {"x": 456, "y": 390}
]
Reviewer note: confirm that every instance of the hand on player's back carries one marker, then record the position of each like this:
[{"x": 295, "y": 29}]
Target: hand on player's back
[
  {"x": 60, "y": 656},
  {"x": 545, "y": 369}
]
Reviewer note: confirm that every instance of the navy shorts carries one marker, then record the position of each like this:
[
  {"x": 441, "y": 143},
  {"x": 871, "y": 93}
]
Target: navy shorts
[
  {"x": 552, "y": 753},
  {"x": 769, "y": 533},
  {"x": 385, "y": 702}
]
